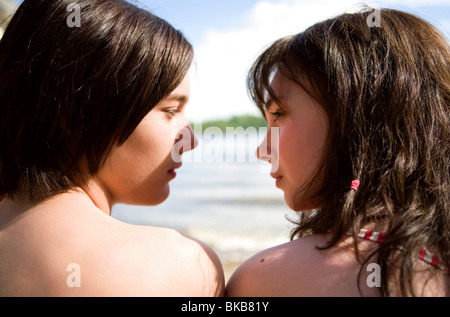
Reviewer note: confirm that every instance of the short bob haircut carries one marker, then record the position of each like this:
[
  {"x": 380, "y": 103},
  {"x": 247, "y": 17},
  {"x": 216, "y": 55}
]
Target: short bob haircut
[
  {"x": 69, "y": 94},
  {"x": 386, "y": 92}
]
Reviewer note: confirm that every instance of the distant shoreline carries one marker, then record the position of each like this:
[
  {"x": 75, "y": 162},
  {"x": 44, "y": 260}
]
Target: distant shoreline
[{"x": 243, "y": 121}]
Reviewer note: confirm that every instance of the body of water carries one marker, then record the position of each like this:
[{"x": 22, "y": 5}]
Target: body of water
[{"x": 234, "y": 207}]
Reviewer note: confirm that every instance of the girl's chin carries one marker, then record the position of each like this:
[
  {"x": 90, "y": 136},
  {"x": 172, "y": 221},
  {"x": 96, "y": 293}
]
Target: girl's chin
[
  {"x": 162, "y": 197},
  {"x": 289, "y": 201},
  {"x": 149, "y": 197},
  {"x": 299, "y": 206}
]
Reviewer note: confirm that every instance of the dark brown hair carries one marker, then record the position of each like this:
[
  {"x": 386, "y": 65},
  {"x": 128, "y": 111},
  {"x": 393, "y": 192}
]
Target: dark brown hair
[
  {"x": 386, "y": 91},
  {"x": 68, "y": 93}
]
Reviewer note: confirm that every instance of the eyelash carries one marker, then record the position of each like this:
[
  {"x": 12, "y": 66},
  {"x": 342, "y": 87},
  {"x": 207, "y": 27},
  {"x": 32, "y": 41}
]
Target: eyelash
[
  {"x": 276, "y": 114},
  {"x": 173, "y": 112}
]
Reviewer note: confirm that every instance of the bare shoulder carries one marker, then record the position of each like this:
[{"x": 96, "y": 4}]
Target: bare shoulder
[
  {"x": 91, "y": 254},
  {"x": 150, "y": 261},
  {"x": 192, "y": 268},
  {"x": 272, "y": 272},
  {"x": 297, "y": 268}
]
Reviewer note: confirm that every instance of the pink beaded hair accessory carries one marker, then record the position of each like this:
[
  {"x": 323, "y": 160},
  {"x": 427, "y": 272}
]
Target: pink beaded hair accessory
[{"x": 355, "y": 185}]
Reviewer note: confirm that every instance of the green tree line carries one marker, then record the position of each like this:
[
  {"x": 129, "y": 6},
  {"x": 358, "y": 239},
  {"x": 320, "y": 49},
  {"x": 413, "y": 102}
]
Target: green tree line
[{"x": 244, "y": 121}]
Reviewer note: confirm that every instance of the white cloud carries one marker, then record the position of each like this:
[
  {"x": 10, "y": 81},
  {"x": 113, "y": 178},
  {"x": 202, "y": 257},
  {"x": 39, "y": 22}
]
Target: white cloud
[{"x": 223, "y": 58}]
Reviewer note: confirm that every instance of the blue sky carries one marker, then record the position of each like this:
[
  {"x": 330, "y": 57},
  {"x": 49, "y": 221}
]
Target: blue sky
[
  {"x": 229, "y": 34},
  {"x": 195, "y": 17}
]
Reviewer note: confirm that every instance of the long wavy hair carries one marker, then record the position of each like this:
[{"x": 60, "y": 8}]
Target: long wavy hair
[{"x": 386, "y": 91}]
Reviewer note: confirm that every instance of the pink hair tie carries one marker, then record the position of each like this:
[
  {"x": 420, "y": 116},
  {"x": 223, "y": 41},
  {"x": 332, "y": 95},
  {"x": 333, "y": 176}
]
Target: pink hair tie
[{"x": 355, "y": 185}]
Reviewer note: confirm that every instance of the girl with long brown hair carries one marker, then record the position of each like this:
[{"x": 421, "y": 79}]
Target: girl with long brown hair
[{"x": 363, "y": 118}]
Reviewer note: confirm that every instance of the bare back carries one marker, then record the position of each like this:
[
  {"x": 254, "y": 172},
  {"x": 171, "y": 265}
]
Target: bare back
[
  {"x": 298, "y": 268},
  {"x": 66, "y": 247}
]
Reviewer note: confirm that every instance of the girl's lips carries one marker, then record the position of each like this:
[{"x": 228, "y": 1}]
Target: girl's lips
[
  {"x": 278, "y": 179},
  {"x": 172, "y": 172}
]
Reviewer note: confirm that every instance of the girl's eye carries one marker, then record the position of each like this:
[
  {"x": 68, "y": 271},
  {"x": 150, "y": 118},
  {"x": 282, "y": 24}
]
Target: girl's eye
[
  {"x": 172, "y": 112},
  {"x": 276, "y": 115}
]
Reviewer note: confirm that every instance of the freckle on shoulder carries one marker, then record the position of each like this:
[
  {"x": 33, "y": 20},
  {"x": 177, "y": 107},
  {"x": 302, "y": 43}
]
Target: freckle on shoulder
[{"x": 277, "y": 267}]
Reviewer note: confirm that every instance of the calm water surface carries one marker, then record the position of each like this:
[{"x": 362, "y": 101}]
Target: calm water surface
[{"x": 234, "y": 207}]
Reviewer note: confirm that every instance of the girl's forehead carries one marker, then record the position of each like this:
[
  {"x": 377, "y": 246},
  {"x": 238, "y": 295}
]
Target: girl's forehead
[
  {"x": 279, "y": 83},
  {"x": 281, "y": 87}
]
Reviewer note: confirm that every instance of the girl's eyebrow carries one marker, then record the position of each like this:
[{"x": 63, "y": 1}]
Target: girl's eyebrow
[
  {"x": 178, "y": 97},
  {"x": 271, "y": 102},
  {"x": 268, "y": 103}
]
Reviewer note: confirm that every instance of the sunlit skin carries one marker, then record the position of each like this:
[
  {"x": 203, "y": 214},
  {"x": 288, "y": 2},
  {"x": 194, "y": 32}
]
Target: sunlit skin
[
  {"x": 303, "y": 127},
  {"x": 139, "y": 171},
  {"x": 38, "y": 242},
  {"x": 299, "y": 268}
]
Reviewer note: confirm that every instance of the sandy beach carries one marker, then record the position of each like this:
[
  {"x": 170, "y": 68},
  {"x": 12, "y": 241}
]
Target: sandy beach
[{"x": 229, "y": 268}]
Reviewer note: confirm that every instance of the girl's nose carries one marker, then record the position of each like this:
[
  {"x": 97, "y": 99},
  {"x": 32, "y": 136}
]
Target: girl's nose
[
  {"x": 187, "y": 141},
  {"x": 193, "y": 141},
  {"x": 268, "y": 150},
  {"x": 263, "y": 152}
]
